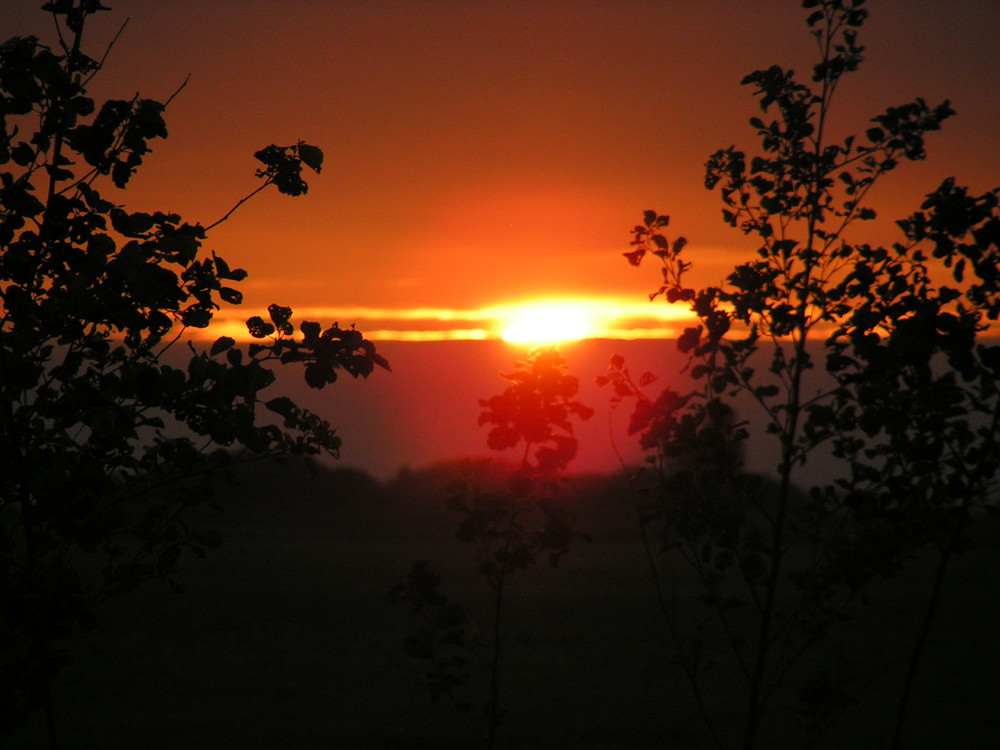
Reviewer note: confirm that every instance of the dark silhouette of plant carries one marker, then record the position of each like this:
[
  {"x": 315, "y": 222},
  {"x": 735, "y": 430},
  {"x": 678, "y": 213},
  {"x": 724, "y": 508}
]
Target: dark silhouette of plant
[
  {"x": 511, "y": 525},
  {"x": 907, "y": 399},
  {"x": 923, "y": 388},
  {"x": 108, "y": 439}
]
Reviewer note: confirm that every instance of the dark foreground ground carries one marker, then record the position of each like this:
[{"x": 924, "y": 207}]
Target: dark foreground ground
[{"x": 283, "y": 639}]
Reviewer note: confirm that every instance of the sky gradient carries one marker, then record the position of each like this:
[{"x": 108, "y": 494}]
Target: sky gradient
[{"x": 481, "y": 154}]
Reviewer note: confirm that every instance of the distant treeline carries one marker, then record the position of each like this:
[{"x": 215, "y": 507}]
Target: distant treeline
[{"x": 348, "y": 501}]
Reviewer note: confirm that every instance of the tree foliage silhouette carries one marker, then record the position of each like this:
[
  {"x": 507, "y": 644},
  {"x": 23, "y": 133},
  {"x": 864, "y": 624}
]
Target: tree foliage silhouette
[
  {"x": 106, "y": 443},
  {"x": 511, "y": 526},
  {"x": 907, "y": 398}
]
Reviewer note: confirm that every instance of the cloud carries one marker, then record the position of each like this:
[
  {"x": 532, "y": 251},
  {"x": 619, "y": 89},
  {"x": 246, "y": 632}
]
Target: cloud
[{"x": 610, "y": 318}]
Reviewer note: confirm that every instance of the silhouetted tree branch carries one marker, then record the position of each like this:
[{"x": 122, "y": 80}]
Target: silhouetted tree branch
[
  {"x": 907, "y": 396},
  {"x": 106, "y": 445}
]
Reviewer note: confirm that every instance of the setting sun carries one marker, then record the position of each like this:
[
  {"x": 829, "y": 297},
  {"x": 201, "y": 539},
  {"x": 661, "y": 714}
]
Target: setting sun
[{"x": 548, "y": 324}]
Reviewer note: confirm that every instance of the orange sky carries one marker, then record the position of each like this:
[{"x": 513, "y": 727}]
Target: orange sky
[{"x": 482, "y": 153}]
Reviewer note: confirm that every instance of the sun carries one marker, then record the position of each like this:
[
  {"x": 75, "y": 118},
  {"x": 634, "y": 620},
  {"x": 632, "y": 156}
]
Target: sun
[{"x": 548, "y": 323}]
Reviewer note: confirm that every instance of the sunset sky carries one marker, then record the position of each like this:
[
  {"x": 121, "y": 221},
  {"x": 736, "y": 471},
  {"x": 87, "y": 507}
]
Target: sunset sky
[{"x": 484, "y": 154}]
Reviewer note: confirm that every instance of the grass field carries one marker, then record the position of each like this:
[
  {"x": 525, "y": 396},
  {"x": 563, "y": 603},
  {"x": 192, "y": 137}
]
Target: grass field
[{"x": 284, "y": 639}]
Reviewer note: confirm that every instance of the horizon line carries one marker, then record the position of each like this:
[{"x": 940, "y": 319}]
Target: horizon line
[{"x": 608, "y": 318}]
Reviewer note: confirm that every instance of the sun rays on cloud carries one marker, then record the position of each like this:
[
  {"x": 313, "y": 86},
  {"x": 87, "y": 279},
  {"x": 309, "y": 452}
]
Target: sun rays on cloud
[{"x": 532, "y": 321}]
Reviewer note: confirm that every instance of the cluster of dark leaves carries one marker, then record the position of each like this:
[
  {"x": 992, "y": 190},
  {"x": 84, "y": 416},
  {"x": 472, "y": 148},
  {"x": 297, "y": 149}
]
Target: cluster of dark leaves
[
  {"x": 323, "y": 352},
  {"x": 443, "y": 639},
  {"x": 511, "y": 523},
  {"x": 535, "y": 410},
  {"x": 909, "y": 400},
  {"x": 106, "y": 442}
]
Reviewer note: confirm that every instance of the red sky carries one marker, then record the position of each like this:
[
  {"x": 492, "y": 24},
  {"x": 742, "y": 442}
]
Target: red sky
[{"x": 482, "y": 153}]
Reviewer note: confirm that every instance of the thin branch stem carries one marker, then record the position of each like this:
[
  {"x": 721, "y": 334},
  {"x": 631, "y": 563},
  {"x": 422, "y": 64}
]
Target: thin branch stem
[
  {"x": 107, "y": 51},
  {"x": 239, "y": 203}
]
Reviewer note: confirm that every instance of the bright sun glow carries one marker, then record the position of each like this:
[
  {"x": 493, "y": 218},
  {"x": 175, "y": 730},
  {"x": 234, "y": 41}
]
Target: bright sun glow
[
  {"x": 548, "y": 324},
  {"x": 546, "y": 320}
]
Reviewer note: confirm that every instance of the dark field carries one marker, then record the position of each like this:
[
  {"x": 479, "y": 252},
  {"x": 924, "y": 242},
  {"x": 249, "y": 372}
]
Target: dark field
[{"x": 284, "y": 639}]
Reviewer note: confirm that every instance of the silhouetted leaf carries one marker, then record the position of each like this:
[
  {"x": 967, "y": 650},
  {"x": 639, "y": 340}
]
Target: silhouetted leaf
[
  {"x": 311, "y": 156},
  {"x": 222, "y": 344},
  {"x": 258, "y": 328}
]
